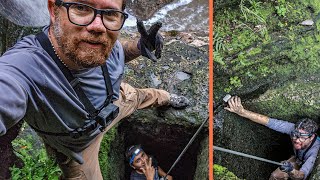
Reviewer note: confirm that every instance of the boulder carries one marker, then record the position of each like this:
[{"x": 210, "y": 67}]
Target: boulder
[{"x": 265, "y": 56}]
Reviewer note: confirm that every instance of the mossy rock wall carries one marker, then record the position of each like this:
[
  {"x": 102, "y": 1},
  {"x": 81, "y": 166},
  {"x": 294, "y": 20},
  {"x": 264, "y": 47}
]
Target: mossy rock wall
[
  {"x": 164, "y": 131},
  {"x": 267, "y": 57}
]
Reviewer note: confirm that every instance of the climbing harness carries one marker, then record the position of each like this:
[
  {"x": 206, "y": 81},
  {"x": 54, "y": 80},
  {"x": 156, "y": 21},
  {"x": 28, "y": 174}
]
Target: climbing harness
[
  {"x": 187, "y": 146},
  {"x": 245, "y": 155},
  {"x": 99, "y": 118}
]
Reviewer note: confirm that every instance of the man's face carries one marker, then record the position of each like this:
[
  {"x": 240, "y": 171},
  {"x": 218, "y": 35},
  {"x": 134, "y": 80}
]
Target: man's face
[
  {"x": 86, "y": 46},
  {"x": 302, "y": 142},
  {"x": 140, "y": 161}
]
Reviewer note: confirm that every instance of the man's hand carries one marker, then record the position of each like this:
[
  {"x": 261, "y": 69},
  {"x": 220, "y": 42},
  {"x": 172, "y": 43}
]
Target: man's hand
[
  {"x": 286, "y": 167},
  {"x": 169, "y": 177},
  {"x": 150, "y": 40},
  {"x": 234, "y": 105},
  {"x": 149, "y": 171}
]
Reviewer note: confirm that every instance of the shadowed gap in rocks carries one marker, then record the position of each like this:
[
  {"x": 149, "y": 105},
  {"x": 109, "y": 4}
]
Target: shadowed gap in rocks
[{"x": 165, "y": 143}]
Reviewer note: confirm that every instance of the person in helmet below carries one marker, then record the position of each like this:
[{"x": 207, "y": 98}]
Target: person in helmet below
[
  {"x": 303, "y": 136},
  {"x": 145, "y": 167}
]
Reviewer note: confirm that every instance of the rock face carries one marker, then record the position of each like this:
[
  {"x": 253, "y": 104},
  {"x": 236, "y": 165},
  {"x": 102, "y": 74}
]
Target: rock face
[
  {"x": 164, "y": 131},
  {"x": 272, "y": 62},
  {"x": 26, "y": 13},
  {"x": 145, "y": 9},
  {"x": 34, "y": 13}
]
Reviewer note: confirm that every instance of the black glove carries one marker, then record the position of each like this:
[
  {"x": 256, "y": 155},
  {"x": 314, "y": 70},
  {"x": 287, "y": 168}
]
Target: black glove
[
  {"x": 286, "y": 167},
  {"x": 150, "y": 40}
]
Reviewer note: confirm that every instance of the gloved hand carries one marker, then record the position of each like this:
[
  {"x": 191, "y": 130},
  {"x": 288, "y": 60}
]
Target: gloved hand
[
  {"x": 286, "y": 167},
  {"x": 150, "y": 40}
]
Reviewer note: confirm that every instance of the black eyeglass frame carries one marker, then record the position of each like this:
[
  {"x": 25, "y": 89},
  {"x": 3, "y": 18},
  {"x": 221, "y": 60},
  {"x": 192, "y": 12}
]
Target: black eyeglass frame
[{"x": 96, "y": 11}]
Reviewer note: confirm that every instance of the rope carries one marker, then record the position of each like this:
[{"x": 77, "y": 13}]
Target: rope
[
  {"x": 245, "y": 155},
  {"x": 187, "y": 146}
]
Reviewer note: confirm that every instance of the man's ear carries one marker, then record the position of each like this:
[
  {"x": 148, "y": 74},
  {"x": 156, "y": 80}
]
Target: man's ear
[{"x": 51, "y": 7}]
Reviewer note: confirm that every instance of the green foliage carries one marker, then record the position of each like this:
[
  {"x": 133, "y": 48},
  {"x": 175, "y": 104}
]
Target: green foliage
[
  {"x": 218, "y": 42},
  {"x": 314, "y": 4},
  {"x": 222, "y": 173},
  {"x": 281, "y": 8},
  {"x": 106, "y": 167},
  {"x": 37, "y": 165},
  {"x": 235, "y": 82},
  {"x": 318, "y": 25},
  {"x": 252, "y": 11},
  {"x": 218, "y": 58},
  {"x": 264, "y": 70},
  {"x": 218, "y": 46}
]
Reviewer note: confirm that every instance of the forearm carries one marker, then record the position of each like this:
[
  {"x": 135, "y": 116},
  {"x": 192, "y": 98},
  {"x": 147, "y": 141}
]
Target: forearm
[
  {"x": 161, "y": 172},
  {"x": 296, "y": 174},
  {"x": 131, "y": 50},
  {"x": 255, "y": 117}
]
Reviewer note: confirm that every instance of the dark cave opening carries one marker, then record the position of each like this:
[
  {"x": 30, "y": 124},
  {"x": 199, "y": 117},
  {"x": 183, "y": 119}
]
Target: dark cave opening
[
  {"x": 281, "y": 149},
  {"x": 165, "y": 142},
  {"x": 276, "y": 147}
]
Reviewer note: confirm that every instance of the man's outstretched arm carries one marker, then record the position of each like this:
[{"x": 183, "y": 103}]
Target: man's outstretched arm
[
  {"x": 131, "y": 50},
  {"x": 235, "y": 106}
]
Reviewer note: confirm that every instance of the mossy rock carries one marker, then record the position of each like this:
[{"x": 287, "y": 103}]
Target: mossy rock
[
  {"x": 222, "y": 173},
  {"x": 271, "y": 61}
]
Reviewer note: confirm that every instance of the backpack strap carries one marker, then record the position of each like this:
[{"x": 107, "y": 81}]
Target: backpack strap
[{"x": 75, "y": 83}]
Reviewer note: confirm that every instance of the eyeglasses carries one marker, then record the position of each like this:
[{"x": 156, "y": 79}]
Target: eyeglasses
[
  {"x": 301, "y": 136},
  {"x": 83, "y": 15}
]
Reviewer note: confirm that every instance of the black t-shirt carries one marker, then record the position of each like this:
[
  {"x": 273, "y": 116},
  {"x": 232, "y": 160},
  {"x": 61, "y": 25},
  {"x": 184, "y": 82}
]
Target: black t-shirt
[{"x": 136, "y": 176}]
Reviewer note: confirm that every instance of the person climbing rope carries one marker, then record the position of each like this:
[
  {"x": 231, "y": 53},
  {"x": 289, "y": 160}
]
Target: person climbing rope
[
  {"x": 145, "y": 167},
  {"x": 303, "y": 136}
]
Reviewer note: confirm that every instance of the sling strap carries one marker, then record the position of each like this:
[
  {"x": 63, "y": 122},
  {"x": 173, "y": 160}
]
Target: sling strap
[{"x": 75, "y": 83}]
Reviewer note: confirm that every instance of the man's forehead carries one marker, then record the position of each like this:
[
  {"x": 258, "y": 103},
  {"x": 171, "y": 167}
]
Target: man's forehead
[
  {"x": 302, "y": 131},
  {"x": 140, "y": 152},
  {"x": 101, "y": 4}
]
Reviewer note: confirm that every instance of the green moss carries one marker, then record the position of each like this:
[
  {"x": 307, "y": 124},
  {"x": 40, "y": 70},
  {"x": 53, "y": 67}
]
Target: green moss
[
  {"x": 291, "y": 100},
  {"x": 254, "y": 51},
  {"x": 104, "y": 158},
  {"x": 222, "y": 173},
  {"x": 314, "y": 4}
]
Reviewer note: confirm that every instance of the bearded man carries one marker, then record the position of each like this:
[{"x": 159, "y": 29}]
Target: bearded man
[{"x": 66, "y": 81}]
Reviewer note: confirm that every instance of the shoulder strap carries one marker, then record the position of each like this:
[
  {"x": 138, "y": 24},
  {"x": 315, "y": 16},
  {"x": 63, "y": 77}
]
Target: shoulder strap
[
  {"x": 46, "y": 45},
  {"x": 108, "y": 83}
]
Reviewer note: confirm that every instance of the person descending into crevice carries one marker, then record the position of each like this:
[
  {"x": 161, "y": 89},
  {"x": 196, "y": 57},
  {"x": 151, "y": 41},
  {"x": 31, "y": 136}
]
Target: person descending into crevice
[
  {"x": 145, "y": 167},
  {"x": 303, "y": 136}
]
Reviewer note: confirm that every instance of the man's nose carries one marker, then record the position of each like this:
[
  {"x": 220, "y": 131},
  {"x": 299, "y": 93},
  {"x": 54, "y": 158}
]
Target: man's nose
[{"x": 96, "y": 25}]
